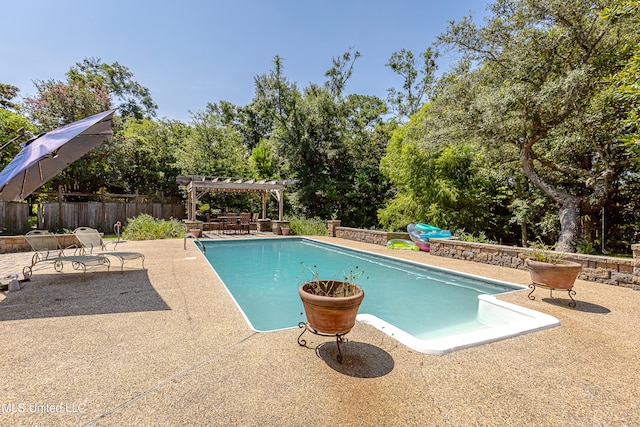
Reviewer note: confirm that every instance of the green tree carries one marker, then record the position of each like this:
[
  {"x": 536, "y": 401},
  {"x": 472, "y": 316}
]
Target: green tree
[
  {"x": 541, "y": 88},
  {"x": 10, "y": 125},
  {"x": 329, "y": 142},
  {"x": 262, "y": 161},
  {"x": 417, "y": 81},
  {"x": 129, "y": 97},
  {"x": 442, "y": 183},
  {"x": 627, "y": 79},
  {"x": 212, "y": 147},
  {"x": 146, "y": 157},
  {"x": 89, "y": 89},
  {"x": 7, "y": 93},
  {"x": 58, "y": 104}
]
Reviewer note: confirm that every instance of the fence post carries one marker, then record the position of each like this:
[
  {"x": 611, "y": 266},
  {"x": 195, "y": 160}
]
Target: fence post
[
  {"x": 59, "y": 207},
  {"x": 40, "y": 215}
]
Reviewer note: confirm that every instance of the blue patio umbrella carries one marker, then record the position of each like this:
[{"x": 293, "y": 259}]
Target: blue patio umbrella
[{"x": 45, "y": 156}]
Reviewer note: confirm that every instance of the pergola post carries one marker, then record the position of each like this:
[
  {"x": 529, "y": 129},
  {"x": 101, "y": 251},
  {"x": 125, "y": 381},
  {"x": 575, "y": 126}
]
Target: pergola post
[
  {"x": 191, "y": 202},
  {"x": 279, "y": 195},
  {"x": 265, "y": 198}
]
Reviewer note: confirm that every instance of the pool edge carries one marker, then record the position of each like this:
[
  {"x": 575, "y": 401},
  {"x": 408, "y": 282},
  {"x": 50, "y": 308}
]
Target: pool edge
[{"x": 524, "y": 321}]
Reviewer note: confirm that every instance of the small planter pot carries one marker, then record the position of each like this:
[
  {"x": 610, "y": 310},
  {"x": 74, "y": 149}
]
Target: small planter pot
[
  {"x": 195, "y": 231},
  {"x": 285, "y": 231}
]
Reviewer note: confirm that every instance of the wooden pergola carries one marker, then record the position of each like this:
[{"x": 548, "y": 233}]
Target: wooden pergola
[{"x": 197, "y": 186}]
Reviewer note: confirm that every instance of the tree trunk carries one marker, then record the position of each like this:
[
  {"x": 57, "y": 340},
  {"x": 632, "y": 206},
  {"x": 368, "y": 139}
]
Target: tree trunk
[
  {"x": 569, "y": 214},
  {"x": 524, "y": 234}
]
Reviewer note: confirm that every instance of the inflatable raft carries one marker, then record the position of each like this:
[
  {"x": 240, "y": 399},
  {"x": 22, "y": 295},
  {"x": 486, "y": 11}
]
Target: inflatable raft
[
  {"x": 425, "y": 227},
  {"x": 441, "y": 234},
  {"x": 402, "y": 244},
  {"x": 414, "y": 234}
]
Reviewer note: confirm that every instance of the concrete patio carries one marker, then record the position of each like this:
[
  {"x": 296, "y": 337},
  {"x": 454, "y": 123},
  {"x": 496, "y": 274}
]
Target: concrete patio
[{"x": 167, "y": 346}]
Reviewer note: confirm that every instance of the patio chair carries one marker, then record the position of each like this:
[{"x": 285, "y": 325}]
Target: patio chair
[
  {"x": 245, "y": 223},
  {"x": 45, "y": 245},
  {"x": 90, "y": 240},
  {"x": 48, "y": 250},
  {"x": 253, "y": 224}
]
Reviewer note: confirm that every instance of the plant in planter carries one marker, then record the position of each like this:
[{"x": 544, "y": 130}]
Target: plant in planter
[
  {"x": 549, "y": 269},
  {"x": 330, "y": 305}
]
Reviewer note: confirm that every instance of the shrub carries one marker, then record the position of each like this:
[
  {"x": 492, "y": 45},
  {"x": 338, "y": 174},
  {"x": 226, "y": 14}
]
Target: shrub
[
  {"x": 307, "y": 226},
  {"x": 145, "y": 227},
  {"x": 469, "y": 237}
]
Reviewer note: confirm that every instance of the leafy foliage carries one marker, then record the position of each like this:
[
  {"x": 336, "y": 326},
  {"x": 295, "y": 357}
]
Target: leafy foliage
[
  {"x": 130, "y": 97},
  {"x": 58, "y": 103},
  {"x": 436, "y": 183},
  {"x": 627, "y": 79},
  {"x": 532, "y": 135},
  {"x": 541, "y": 88},
  {"x": 211, "y": 147},
  {"x": 149, "y": 147},
  {"x": 307, "y": 226},
  {"x": 10, "y": 123},
  {"x": 417, "y": 82},
  {"x": 7, "y": 93},
  {"x": 330, "y": 143},
  {"x": 145, "y": 227}
]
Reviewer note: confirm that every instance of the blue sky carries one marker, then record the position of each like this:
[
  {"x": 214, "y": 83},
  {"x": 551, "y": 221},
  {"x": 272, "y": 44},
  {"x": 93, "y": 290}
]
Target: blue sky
[{"x": 189, "y": 52}]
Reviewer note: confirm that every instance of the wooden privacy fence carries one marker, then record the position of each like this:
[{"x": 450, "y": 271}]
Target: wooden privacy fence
[
  {"x": 14, "y": 218},
  {"x": 56, "y": 216},
  {"x": 101, "y": 215}
]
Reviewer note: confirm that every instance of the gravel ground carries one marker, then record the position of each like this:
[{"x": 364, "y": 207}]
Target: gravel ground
[{"x": 166, "y": 345}]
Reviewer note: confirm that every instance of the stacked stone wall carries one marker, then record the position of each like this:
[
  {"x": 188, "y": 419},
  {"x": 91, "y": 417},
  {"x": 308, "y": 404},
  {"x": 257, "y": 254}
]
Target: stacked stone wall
[
  {"x": 367, "y": 236},
  {"x": 609, "y": 270},
  {"x": 12, "y": 244}
]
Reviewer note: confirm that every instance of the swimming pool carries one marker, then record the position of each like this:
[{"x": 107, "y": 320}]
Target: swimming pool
[{"x": 429, "y": 309}]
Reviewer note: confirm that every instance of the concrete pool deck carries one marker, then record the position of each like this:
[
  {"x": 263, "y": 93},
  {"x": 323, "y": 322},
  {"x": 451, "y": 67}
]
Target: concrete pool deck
[{"x": 167, "y": 346}]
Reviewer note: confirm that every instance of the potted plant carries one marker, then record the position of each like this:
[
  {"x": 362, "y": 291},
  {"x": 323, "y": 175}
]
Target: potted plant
[
  {"x": 550, "y": 270},
  {"x": 330, "y": 305},
  {"x": 285, "y": 231}
]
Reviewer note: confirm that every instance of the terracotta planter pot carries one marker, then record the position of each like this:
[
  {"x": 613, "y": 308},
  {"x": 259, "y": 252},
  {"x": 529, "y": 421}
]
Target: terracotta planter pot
[
  {"x": 330, "y": 315},
  {"x": 556, "y": 276},
  {"x": 195, "y": 232},
  {"x": 285, "y": 231}
]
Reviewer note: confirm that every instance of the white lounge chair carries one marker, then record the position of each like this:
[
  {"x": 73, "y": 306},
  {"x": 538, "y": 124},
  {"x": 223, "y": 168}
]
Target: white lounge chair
[
  {"x": 90, "y": 241},
  {"x": 48, "y": 250},
  {"x": 44, "y": 244}
]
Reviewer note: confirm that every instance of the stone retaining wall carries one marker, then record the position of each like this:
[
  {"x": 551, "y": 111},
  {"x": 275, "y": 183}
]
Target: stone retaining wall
[
  {"x": 367, "y": 236},
  {"x": 609, "y": 270},
  {"x": 612, "y": 271},
  {"x": 11, "y": 244}
]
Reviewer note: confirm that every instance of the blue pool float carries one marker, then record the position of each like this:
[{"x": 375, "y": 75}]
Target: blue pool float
[
  {"x": 402, "y": 244},
  {"x": 426, "y": 227},
  {"x": 442, "y": 234}
]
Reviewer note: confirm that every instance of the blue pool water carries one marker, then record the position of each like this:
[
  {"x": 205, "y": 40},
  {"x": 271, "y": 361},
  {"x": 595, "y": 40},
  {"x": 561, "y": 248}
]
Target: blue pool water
[{"x": 421, "y": 302}]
